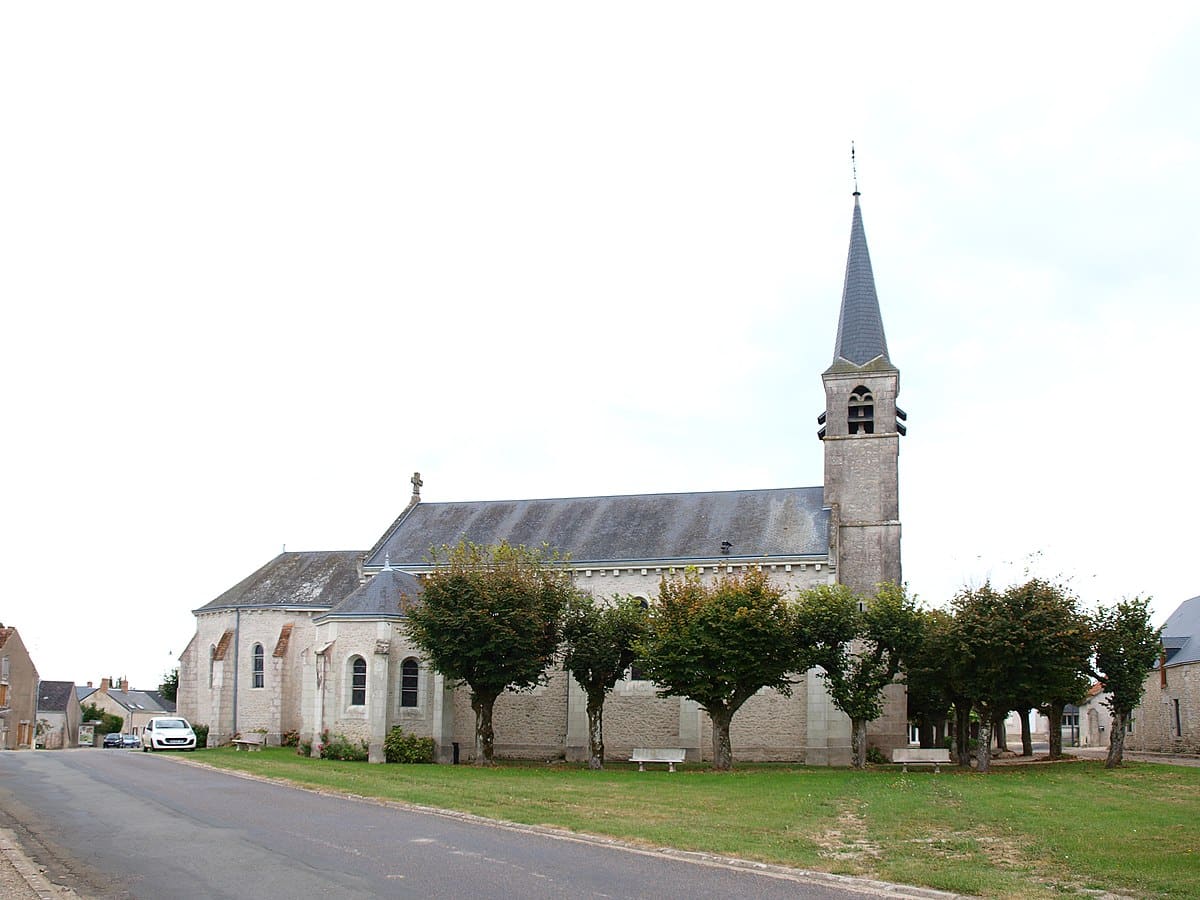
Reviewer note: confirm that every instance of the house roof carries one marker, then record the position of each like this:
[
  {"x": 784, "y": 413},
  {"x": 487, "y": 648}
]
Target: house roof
[
  {"x": 54, "y": 696},
  {"x": 1181, "y": 634},
  {"x": 781, "y": 522},
  {"x": 860, "y": 336},
  {"x": 83, "y": 691},
  {"x": 381, "y": 596},
  {"x": 316, "y": 580},
  {"x": 142, "y": 701}
]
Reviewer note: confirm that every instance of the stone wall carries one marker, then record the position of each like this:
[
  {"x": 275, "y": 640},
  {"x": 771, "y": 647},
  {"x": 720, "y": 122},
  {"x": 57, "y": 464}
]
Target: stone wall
[{"x": 1155, "y": 728}]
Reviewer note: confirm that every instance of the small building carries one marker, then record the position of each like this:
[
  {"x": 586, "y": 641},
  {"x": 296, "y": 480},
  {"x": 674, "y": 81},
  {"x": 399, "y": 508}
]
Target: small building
[
  {"x": 18, "y": 692},
  {"x": 1168, "y": 718},
  {"x": 135, "y": 707},
  {"x": 58, "y": 715}
]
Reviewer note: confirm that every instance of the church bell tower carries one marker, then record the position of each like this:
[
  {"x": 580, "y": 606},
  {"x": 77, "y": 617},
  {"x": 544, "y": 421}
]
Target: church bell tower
[{"x": 861, "y": 429}]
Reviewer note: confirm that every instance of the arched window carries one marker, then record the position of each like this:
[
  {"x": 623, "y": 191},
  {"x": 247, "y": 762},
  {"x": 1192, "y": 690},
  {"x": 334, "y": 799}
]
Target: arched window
[
  {"x": 860, "y": 414},
  {"x": 212, "y": 664},
  {"x": 259, "y": 666},
  {"x": 358, "y": 681},
  {"x": 409, "y": 682}
]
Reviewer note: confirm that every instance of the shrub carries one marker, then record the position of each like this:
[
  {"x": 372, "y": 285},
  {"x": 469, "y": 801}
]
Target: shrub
[
  {"x": 290, "y": 739},
  {"x": 876, "y": 757},
  {"x": 304, "y": 748},
  {"x": 201, "y": 735},
  {"x": 399, "y": 747},
  {"x": 344, "y": 749}
]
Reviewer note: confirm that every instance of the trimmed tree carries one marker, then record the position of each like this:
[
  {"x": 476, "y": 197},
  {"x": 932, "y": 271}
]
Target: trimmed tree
[
  {"x": 1126, "y": 649},
  {"x": 990, "y": 650},
  {"x": 598, "y": 646},
  {"x": 860, "y": 645},
  {"x": 720, "y": 643},
  {"x": 489, "y": 617},
  {"x": 929, "y": 674}
]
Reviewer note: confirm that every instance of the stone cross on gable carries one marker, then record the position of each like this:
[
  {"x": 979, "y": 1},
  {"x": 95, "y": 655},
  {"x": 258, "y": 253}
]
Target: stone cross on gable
[{"x": 416, "y": 483}]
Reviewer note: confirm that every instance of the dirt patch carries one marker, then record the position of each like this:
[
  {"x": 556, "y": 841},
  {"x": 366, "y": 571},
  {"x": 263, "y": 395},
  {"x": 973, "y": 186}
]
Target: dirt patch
[{"x": 848, "y": 841}]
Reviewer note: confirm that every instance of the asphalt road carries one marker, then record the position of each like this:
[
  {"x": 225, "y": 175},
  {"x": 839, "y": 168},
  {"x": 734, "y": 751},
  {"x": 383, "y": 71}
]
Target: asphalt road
[{"x": 121, "y": 824}]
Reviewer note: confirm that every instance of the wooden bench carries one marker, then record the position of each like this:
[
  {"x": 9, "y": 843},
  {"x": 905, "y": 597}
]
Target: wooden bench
[
  {"x": 641, "y": 756},
  {"x": 915, "y": 756},
  {"x": 253, "y": 742}
]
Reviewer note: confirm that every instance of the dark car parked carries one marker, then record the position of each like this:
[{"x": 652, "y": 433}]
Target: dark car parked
[
  {"x": 112, "y": 740},
  {"x": 130, "y": 741}
]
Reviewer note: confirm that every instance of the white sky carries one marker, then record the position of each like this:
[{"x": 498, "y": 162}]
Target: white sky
[{"x": 260, "y": 262}]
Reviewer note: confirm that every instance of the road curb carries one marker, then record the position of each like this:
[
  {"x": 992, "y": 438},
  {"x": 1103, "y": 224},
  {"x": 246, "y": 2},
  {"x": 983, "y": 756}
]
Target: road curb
[{"x": 33, "y": 875}]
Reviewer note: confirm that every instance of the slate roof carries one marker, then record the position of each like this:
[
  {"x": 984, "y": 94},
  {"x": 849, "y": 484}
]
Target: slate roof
[
  {"x": 380, "y": 597},
  {"x": 53, "y": 696},
  {"x": 143, "y": 701},
  {"x": 1181, "y": 634},
  {"x": 781, "y": 522},
  {"x": 83, "y": 691},
  {"x": 860, "y": 337},
  {"x": 308, "y": 580}
]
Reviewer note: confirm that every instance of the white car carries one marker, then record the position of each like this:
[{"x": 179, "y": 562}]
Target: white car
[{"x": 168, "y": 733}]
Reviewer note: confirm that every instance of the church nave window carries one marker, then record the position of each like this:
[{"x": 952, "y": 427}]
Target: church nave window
[
  {"x": 409, "y": 682},
  {"x": 358, "y": 681},
  {"x": 860, "y": 414},
  {"x": 259, "y": 667}
]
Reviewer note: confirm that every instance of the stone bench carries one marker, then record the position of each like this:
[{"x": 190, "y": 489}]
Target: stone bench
[
  {"x": 253, "y": 742},
  {"x": 915, "y": 756},
  {"x": 641, "y": 756}
]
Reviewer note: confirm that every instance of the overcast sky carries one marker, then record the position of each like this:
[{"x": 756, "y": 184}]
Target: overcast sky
[{"x": 260, "y": 262}]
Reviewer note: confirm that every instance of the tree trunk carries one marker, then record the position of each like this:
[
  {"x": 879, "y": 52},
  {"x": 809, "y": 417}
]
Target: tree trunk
[
  {"x": 595, "y": 713},
  {"x": 722, "y": 749},
  {"x": 1001, "y": 733},
  {"x": 1026, "y": 733},
  {"x": 1054, "y": 716},
  {"x": 1116, "y": 741},
  {"x": 983, "y": 752},
  {"x": 939, "y": 733},
  {"x": 485, "y": 737},
  {"x": 858, "y": 743},
  {"x": 962, "y": 734},
  {"x": 926, "y": 733}
]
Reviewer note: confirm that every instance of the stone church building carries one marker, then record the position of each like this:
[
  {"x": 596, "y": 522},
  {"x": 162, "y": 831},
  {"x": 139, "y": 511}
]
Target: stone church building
[{"x": 317, "y": 641}]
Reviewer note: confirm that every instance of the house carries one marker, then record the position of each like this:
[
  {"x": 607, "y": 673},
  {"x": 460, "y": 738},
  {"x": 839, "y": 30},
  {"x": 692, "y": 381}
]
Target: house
[
  {"x": 317, "y": 641},
  {"x": 1095, "y": 718},
  {"x": 1168, "y": 718},
  {"x": 135, "y": 708},
  {"x": 18, "y": 692},
  {"x": 58, "y": 715}
]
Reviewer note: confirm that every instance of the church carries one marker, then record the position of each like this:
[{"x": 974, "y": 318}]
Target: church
[{"x": 316, "y": 641}]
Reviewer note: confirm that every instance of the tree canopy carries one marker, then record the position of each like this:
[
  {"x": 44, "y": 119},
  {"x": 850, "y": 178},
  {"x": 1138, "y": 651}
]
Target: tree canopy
[{"x": 1127, "y": 646}]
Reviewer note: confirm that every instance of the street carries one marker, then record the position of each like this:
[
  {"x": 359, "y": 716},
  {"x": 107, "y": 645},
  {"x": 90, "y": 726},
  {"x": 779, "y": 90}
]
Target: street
[{"x": 121, "y": 824}]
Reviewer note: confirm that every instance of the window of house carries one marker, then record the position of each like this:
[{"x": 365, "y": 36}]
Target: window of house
[
  {"x": 409, "y": 682},
  {"x": 860, "y": 413},
  {"x": 259, "y": 665},
  {"x": 358, "y": 681}
]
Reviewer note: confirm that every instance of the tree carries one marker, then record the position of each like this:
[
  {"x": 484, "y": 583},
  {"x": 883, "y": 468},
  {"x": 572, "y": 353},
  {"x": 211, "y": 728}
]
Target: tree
[
  {"x": 1126, "y": 649},
  {"x": 929, "y": 672},
  {"x": 719, "y": 644},
  {"x": 990, "y": 653},
  {"x": 109, "y": 723},
  {"x": 489, "y": 617},
  {"x": 598, "y": 646},
  {"x": 170, "y": 685},
  {"x": 860, "y": 646},
  {"x": 1055, "y": 656}
]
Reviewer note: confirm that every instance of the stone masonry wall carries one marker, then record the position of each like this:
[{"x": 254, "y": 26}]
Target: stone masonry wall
[{"x": 1154, "y": 719}]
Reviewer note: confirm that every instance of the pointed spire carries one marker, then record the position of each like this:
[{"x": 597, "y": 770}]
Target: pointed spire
[{"x": 860, "y": 337}]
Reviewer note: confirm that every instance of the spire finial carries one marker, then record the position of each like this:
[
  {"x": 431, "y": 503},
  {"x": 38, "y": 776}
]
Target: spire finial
[
  {"x": 416, "y": 483},
  {"x": 854, "y": 168}
]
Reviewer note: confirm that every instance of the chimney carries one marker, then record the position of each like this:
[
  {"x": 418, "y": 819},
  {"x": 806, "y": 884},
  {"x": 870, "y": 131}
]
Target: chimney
[
  {"x": 124, "y": 686},
  {"x": 89, "y": 684},
  {"x": 105, "y": 684}
]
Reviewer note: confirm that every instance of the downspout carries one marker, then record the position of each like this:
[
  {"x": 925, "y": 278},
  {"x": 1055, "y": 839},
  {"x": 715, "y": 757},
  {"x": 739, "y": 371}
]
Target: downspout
[{"x": 237, "y": 643}]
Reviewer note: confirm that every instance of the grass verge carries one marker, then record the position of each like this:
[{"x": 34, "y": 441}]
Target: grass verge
[{"x": 1022, "y": 831}]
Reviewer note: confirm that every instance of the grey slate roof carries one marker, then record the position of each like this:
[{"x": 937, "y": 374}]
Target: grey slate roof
[
  {"x": 83, "y": 691},
  {"x": 1181, "y": 634},
  {"x": 380, "y": 596},
  {"x": 142, "y": 701},
  {"x": 53, "y": 696},
  {"x": 634, "y": 527},
  {"x": 860, "y": 337},
  {"x": 314, "y": 580}
]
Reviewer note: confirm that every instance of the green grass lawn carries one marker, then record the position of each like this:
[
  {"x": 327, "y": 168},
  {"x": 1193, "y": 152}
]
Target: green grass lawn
[{"x": 1022, "y": 831}]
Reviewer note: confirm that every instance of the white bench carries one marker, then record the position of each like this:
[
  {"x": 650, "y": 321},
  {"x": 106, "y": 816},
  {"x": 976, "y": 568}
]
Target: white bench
[
  {"x": 915, "y": 756},
  {"x": 641, "y": 756},
  {"x": 253, "y": 742}
]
